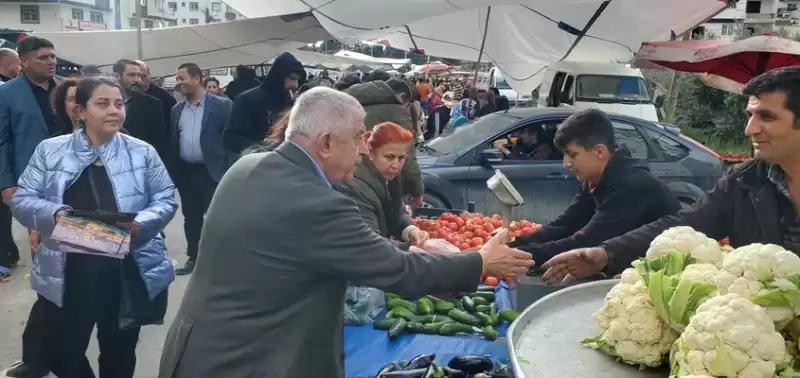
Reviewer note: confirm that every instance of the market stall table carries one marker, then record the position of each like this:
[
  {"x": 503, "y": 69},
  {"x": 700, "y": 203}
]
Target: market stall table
[{"x": 367, "y": 349}]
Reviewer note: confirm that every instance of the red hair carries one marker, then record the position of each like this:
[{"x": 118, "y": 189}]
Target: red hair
[{"x": 386, "y": 133}]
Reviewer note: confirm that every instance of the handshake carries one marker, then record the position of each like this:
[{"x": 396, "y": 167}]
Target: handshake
[{"x": 500, "y": 260}]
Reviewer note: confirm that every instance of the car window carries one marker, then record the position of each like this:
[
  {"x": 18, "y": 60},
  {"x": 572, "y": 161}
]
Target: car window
[
  {"x": 670, "y": 148},
  {"x": 632, "y": 139},
  {"x": 541, "y": 150},
  {"x": 468, "y": 135}
]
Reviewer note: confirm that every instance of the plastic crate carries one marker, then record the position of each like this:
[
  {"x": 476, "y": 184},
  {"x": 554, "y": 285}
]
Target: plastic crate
[{"x": 435, "y": 213}]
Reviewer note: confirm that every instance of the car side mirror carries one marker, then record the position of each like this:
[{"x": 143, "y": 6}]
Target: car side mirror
[
  {"x": 492, "y": 156},
  {"x": 659, "y": 101}
]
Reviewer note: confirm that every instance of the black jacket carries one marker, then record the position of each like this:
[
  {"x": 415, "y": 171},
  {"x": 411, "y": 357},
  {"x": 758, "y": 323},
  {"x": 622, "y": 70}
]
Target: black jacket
[
  {"x": 167, "y": 101},
  {"x": 256, "y": 110},
  {"x": 743, "y": 206},
  {"x": 241, "y": 85},
  {"x": 148, "y": 125},
  {"x": 626, "y": 197}
]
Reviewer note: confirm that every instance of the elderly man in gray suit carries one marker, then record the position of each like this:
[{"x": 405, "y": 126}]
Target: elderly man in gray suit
[{"x": 279, "y": 246}]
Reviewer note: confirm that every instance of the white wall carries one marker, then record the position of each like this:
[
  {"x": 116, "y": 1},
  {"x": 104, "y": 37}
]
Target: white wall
[{"x": 54, "y": 17}]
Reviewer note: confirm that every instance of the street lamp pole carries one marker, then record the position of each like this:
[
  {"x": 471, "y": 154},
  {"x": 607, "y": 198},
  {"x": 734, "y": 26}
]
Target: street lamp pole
[{"x": 139, "y": 7}]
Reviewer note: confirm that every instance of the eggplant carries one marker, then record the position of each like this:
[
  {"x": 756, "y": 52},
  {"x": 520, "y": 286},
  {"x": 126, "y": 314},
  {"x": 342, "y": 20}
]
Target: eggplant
[
  {"x": 453, "y": 373},
  {"x": 416, "y": 373},
  {"x": 471, "y": 364},
  {"x": 421, "y": 361},
  {"x": 390, "y": 367}
]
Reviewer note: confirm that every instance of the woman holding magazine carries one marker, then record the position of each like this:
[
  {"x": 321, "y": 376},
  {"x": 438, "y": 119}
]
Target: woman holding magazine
[{"x": 97, "y": 168}]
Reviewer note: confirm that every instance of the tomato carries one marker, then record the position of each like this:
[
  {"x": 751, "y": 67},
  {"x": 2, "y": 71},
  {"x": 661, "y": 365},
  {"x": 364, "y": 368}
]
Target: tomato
[
  {"x": 483, "y": 277},
  {"x": 433, "y": 234},
  {"x": 468, "y": 235},
  {"x": 491, "y": 281},
  {"x": 480, "y": 233},
  {"x": 513, "y": 225},
  {"x": 469, "y": 227},
  {"x": 464, "y": 246},
  {"x": 476, "y": 241},
  {"x": 523, "y": 223},
  {"x": 452, "y": 227},
  {"x": 517, "y": 233},
  {"x": 479, "y": 221},
  {"x": 460, "y": 221},
  {"x": 488, "y": 227},
  {"x": 457, "y": 240},
  {"x": 497, "y": 223},
  {"x": 497, "y": 217},
  {"x": 527, "y": 230}
]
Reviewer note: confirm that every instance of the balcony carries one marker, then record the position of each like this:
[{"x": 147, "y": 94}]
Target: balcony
[{"x": 753, "y": 18}]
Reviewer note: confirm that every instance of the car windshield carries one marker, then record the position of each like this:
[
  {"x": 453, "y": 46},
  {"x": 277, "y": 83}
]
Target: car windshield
[
  {"x": 467, "y": 135},
  {"x": 612, "y": 89},
  {"x": 500, "y": 81}
]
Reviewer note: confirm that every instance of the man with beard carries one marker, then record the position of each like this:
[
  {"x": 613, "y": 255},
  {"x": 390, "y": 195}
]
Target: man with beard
[
  {"x": 141, "y": 121},
  {"x": 256, "y": 110},
  {"x": 167, "y": 101}
]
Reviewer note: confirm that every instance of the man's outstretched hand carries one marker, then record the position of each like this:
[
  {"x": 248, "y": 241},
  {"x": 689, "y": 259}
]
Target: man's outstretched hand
[
  {"x": 500, "y": 260},
  {"x": 577, "y": 263}
]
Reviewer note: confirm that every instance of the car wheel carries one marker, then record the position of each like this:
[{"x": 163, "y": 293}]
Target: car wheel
[
  {"x": 433, "y": 201},
  {"x": 685, "y": 203}
]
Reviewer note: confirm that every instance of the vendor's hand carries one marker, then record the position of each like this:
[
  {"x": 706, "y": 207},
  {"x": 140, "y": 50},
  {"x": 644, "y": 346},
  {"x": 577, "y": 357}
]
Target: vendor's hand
[
  {"x": 500, "y": 143},
  {"x": 61, "y": 213},
  {"x": 133, "y": 227},
  {"x": 577, "y": 263},
  {"x": 500, "y": 260},
  {"x": 7, "y": 193},
  {"x": 417, "y": 237},
  {"x": 34, "y": 238},
  {"x": 416, "y": 249}
]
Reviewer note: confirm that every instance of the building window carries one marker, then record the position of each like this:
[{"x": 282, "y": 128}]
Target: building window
[
  {"x": 194, "y": 21},
  {"x": 216, "y": 7},
  {"x": 727, "y": 29},
  {"x": 173, "y": 22},
  {"x": 230, "y": 16},
  {"x": 183, "y": 4},
  {"x": 193, "y": 6},
  {"x": 148, "y": 24},
  {"x": 183, "y": 20},
  {"x": 29, "y": 14},
  {"x": 77, "y": 14},
  {"x": 103, "y": 4},
  {"x": 132, "y": 22},
  {"x": 96, "y": 17},
  {"x": 172, "y": 6}
]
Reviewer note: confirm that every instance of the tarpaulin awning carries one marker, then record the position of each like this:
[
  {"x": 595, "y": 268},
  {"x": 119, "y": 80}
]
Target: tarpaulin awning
[
  {"x": 249, "y": 41},
  {"x": 522, "y": 36}
]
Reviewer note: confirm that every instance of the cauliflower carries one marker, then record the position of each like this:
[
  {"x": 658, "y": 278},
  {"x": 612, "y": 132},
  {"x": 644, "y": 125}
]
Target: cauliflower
[
  {"x": 677, "y": 296},
  {"x": 729, "y": 336},
  {"x": 631, "y": 328},
  {"x": 685, "y": 239}
]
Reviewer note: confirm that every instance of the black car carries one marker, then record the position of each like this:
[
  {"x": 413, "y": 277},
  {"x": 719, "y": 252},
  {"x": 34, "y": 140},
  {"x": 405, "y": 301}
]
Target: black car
[{"x": 456, "y": 165}]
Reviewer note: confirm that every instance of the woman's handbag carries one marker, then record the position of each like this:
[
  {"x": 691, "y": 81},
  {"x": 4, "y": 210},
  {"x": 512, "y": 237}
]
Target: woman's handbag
[{"x": 135, "y": 308}]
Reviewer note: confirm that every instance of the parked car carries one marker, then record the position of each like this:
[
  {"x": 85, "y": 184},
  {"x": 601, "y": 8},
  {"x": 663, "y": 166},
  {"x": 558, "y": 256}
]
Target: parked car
[{"x": 456, "y": 165}]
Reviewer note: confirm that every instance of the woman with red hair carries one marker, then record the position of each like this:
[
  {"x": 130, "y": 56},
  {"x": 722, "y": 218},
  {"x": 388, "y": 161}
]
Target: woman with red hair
[{"x": 376, "y": 186}]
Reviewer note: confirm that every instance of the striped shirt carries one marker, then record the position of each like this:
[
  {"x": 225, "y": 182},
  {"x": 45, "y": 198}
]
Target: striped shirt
[{"x": 790, "y": 220}]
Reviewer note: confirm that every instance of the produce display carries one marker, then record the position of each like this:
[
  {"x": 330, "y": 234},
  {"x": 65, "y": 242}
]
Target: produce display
[
  {"x": 468, "y": 313},
  {"x": 734, "y": 156},
  {"x": 708, "y": 309},
  {"x": 423, "y": 366}
]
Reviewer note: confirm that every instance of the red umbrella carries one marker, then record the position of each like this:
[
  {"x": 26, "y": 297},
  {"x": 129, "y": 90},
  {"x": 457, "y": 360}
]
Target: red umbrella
[{"x": 723, "y": 64}]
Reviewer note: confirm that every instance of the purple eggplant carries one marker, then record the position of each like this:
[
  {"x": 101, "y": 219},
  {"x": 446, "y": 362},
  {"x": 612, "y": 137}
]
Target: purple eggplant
[
  {"x": 388, "y": 368},
  {"x": 421, "y": 361},
  {"x": 416, "y": 373},
  {"x": 471, "y": 364}
]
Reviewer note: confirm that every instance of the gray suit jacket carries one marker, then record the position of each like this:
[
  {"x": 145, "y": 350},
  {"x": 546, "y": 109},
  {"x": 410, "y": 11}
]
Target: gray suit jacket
[
  {"x": 215, "y": 115},
  {"x": 278, "y": 248}
]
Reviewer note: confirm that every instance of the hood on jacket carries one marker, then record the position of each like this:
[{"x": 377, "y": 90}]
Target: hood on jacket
[
  {"x": 282, "y": 66},
  {"x": 373, "y": 93},
  {"x": 620, "y": 165}
]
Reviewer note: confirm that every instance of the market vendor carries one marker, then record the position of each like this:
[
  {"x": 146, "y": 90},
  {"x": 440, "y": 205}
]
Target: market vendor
[
  {"x": 279, "y": 246},
  {"x": 754, "y": 202},
  {"x": 618, "y": 193}
]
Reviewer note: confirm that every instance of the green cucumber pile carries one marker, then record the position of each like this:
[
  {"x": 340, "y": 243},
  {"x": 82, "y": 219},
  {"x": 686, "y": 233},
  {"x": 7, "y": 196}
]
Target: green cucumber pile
[{"x": 474, "y": 313}]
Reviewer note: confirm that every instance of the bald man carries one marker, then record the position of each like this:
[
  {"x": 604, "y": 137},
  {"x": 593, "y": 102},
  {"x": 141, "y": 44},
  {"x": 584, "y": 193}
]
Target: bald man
[
  {"x": 9, "y": 64},
  {"x": 167, "y": 101}
]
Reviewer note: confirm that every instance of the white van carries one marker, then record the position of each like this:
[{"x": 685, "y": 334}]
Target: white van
[
  {"x": 612, "y": 87},
  {"x": 497, "y": 80}
]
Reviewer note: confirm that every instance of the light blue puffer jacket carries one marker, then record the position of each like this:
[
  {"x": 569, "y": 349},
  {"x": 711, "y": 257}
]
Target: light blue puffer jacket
[{"x": 141, "y": 185}]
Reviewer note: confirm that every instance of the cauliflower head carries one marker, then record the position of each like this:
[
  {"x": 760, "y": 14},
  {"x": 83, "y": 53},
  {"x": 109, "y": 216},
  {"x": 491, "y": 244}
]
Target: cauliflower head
[
  {"x": 729, "y": 336},
  {"x": 630, "y": 326},
  {"x": 684, "y": 239}
]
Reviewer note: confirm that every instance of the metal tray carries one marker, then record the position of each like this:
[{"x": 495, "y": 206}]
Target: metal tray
[{"x": 545, "y": 340}]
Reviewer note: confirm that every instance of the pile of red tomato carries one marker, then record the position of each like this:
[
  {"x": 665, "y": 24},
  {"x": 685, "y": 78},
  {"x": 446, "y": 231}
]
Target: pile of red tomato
[{"x": 733, "y": 156}]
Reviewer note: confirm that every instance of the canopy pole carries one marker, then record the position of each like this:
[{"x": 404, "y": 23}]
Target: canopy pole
[
  {"x": 674, "y": 89},
  {"x": 138, "y": 9},
  {"x": 483, "y": 44}
]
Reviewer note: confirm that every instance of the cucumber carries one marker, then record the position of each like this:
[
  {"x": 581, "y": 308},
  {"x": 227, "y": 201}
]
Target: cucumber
[
  {"x": 433, "y": 328},
  {"x": 467, "y": 303},
  {"x": 424, "y": 306},
  {"x": 489, "y": 333},
  {"x": 397, "y": 329},
  {"x": 414, "y": 327},
  {"x": 397, "y": 302},
  {"x": 463, "y": 317},
  {"x": 389, "y": 296},
  {"x": 489, "y": 297},
  {"x": 451, "y": 329},
  {"x": 389, "y": 314},
  {"x": 480, "y": 301},
  {"x": 443, "y": 307},
  {"x": 489, "y": 289},
  {"x": 508, "y": 315},
  {"x": 426, "y": 319},
  {"x": 483, "y": 318},
  {"x": 404, "y": 313},
  {"x": 482, "y": 308},
  {"x": 384, "y": 324}
]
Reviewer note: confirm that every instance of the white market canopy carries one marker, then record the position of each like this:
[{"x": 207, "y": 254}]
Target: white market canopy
[
  {"x": 522, "y": 37},
  {"x": 250, "y": 41},
  {"x": 368, "y": 60}
]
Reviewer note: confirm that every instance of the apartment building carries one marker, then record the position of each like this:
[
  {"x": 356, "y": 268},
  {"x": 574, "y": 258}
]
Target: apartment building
[
  {"x": 755, "y": 16},
  {"x": 162, "y": 13},
  {"x": 54, "y": 16}
]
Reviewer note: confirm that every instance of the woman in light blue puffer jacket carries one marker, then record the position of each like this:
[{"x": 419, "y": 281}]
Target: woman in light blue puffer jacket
[{"x": 98, "y": 168}]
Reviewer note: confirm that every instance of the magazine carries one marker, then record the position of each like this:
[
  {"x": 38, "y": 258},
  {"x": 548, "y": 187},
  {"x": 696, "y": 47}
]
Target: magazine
[{"x": 83, "y": 235}]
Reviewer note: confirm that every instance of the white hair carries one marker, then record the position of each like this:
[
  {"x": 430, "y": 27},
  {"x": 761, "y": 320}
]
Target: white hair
[{"x": 323, "y": 109}]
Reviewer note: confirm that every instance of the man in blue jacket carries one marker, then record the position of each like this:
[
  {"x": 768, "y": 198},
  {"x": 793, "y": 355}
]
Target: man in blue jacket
[{"x": 27, "y": 118}]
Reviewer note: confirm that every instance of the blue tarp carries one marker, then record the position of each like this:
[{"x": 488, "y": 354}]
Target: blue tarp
[{"x": 366, "y": 349}]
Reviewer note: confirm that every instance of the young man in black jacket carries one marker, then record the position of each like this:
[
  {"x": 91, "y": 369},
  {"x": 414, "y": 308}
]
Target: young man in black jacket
[{"x": 618, "y": 193}]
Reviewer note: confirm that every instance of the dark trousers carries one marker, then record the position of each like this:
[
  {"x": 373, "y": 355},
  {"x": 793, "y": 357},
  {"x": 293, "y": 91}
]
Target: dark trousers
[
  {"x": 196, "y": 188},
  {"x": 9, "y": 253}
]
